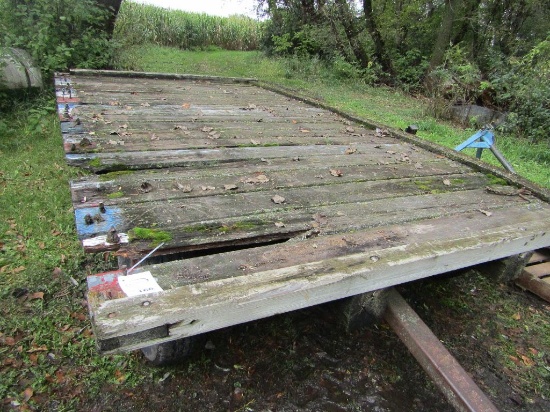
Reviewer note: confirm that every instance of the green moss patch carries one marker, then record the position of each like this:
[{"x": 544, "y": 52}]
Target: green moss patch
[
  {"x": 495, "y": 180},
  {"x": 114, "y": 175},
  {"x": 95, "y": 162},
  {"x": 115, "y": 195},
  {"x": 157, "y": 236}
]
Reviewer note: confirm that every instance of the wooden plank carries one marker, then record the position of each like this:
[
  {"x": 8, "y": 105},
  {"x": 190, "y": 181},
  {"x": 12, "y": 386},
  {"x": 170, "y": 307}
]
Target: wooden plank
[
  {"x": 430, "y": 248},
  {"x": 126, "y": 187},
  {"x": 540, "y": 270},
  {"x": 541, "y": 255},
  {"x": 105, "y": 162},
  {"x": 193, "y": 220}
]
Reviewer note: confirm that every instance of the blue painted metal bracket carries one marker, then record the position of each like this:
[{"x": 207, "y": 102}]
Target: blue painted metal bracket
[{"x": 485, "y": 139}]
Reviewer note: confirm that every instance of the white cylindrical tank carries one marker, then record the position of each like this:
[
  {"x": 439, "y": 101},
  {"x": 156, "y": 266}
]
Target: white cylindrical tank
[{"x": 17, "y": 70}]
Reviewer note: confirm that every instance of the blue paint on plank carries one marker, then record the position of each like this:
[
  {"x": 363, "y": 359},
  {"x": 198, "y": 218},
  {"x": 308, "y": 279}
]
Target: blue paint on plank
[
  {"x": 63, "y": 108},
  {"x": 70, "y": 127},
  {"x": 113, "y": 217}
]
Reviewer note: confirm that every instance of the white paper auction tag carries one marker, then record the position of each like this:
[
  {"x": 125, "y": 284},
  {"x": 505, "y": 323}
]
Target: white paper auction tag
[{"x": 138, "y": 284}]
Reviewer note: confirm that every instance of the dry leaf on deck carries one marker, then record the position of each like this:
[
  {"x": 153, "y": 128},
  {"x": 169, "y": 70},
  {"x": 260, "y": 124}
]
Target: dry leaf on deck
[
  {"x": 336, "y": 172},
  {"x": 278, "y": 199},
  {"x": 485, "y": 212},
  {"x": 257, "y": 179}
]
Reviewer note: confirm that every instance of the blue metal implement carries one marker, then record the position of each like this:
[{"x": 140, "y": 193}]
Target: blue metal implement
[{"x": 485, "y": 139}]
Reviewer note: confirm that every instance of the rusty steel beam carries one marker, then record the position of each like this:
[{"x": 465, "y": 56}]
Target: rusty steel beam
[{"x": 453, "y": 381}]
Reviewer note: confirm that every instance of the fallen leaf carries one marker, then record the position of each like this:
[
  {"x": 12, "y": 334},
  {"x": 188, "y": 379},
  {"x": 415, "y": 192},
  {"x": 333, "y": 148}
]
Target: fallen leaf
[
  {"x": 381, "y": 132},
  {"x": 154, "y": 137},
  {"x": 279, "y": 224},
  {"x": 124, "y": 126},
  {"x": 534, "y": 351},
  {"x": 177, "y": 127},
  {"x": 18, "y": 269},
  {"x": 27, "y": 394},
  {"x": 278, "y": 199},
  {"x": 390, "y": 152},
  {"x": 9, "y": 340},
  {"x": 207, "y": 129},
  {"x": 350, "y": 129},
  {"x": 516, "y": 316},
  {"x": 128, "y": 107},
  {"x": 446, "y": 182},
  {"x": 254, "y": 142},
  {"x": 230, "y": 187},
  {"x": 350, "y": 150},
  {"x": 36, "y": 295},
  {"x": 184, "y": 188},
  {"x": 207, "y": 188},
  {"x": 257, "y": 179},
  {"x": 80, "y": 316},
  {"x": 114, "y": 103},
  {"x": 294, "y": 122},
  {"x": 336, "y": 172},
  {"x": 485, "y": 212},
  {"x": 33, "y": 357},
  {"x": 305, "y": 130},
  {"x": 145, "y": 104},
  {"x": 527, "y": 361},
  {"x": 59, "y": 376},
  {"x": 186, "y": 105},
  {"x": 418, "y": 166},
  {"x": 35, "y": 348}
]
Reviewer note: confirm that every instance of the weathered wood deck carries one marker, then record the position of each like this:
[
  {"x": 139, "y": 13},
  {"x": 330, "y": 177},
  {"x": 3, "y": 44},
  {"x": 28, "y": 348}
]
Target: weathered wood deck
[{"x": 210, "y": 164}]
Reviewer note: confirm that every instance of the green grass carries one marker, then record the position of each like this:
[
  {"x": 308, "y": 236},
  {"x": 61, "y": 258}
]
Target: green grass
[
  {"x": 141, "y": 23},
  {"x": 45, "y": 337},
  {"x": 312, "y": 78}
]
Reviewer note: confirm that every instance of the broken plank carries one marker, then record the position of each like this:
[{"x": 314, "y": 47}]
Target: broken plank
[{"x": 210, "y": 305}]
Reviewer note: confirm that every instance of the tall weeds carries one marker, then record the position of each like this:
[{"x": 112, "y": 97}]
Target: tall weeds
[{"x": 139, "y": 24}]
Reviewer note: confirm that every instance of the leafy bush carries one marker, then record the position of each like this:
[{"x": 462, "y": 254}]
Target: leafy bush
[
  {"x": 523, "y": 89},
  {"x": 57, "y": 33},
  {"x": 410, "y": 69}
]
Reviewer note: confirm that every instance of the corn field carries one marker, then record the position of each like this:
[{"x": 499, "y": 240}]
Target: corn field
[{"x": 142, "y": 24}]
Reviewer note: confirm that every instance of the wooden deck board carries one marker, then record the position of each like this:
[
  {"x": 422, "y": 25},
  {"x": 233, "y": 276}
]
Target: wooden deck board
[{"x": 201, "y": 162}]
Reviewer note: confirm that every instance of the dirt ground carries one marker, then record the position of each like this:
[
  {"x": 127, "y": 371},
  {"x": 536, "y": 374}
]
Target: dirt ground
[{"x": 304, "y": 361}]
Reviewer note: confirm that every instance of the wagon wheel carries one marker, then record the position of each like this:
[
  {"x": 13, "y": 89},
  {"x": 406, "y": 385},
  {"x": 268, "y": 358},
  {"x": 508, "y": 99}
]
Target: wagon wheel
[{"x": 169, "y": 353}]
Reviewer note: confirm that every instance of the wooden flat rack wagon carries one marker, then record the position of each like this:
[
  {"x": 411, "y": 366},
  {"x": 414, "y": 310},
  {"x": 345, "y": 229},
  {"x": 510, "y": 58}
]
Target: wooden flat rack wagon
[{"x": 265, "y": 203}]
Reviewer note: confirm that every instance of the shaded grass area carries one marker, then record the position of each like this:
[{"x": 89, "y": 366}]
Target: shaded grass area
[
  {"x": 314, "y": 79},
  {"x": 47, "y": 354}
]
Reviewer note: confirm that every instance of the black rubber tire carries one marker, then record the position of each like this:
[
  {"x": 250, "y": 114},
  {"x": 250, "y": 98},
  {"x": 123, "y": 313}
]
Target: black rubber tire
[{"x": 169, "y": 353}]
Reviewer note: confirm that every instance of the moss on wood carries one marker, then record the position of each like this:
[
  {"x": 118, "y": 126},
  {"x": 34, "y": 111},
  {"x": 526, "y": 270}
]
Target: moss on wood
[{"x": 156, "y": 236}]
